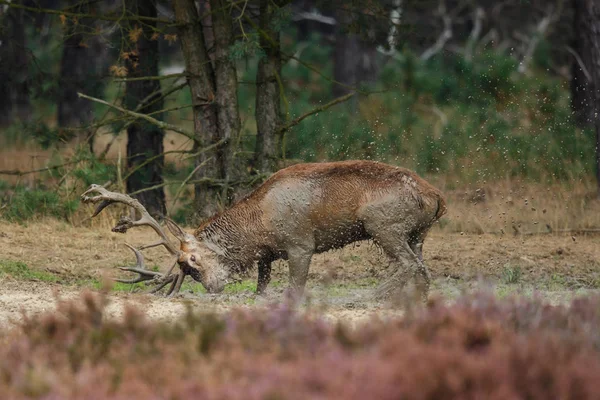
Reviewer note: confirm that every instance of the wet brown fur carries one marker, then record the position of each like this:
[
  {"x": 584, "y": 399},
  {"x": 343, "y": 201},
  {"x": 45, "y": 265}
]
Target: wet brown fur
[{"x": 311, "y": 208}]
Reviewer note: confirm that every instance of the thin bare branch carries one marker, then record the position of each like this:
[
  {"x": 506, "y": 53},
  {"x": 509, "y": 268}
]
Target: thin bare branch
[
  {"x": 150, "y": 159},
  {"x": 539, "y": 33},
  {"x": 443, "y": 38},
  {"x": 151, "y": 78},
  {"x": 581, "y": 64},
  {"x": 324, "y": 107},
  {"x": 160, "y": 124},
  {"x": 479, "y": 15},
  {"x": 185, "y": 181},
  {"x": 17, "y": 172}
]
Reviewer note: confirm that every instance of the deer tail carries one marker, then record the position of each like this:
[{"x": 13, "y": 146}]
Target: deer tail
[{"x": 441, "y": 208}]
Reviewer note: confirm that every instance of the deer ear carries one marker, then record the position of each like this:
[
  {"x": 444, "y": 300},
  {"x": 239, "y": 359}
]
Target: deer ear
[{"x": 177, "y": 231}]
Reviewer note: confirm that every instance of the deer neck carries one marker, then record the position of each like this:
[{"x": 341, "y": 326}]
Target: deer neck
[{"x": 232, "y": 236}]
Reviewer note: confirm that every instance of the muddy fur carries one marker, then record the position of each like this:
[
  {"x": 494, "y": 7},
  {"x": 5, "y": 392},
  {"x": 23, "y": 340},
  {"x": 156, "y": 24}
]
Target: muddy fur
[{"x": 307, "y": 209}]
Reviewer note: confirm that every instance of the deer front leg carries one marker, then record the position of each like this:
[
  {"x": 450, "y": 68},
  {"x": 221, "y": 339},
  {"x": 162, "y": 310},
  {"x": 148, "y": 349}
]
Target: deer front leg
[{"x": 264, "y": 275}]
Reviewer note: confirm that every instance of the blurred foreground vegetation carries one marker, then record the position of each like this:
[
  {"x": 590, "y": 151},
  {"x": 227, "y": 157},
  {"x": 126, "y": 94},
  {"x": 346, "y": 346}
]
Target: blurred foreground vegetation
[{"x": 479, "y": 347}]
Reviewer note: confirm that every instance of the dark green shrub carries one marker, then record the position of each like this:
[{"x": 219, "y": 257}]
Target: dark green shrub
[{"x": 27, "y": 203}]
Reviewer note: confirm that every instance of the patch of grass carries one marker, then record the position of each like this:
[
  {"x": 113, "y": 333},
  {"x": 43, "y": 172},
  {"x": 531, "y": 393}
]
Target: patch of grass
[
  {"x": 557, "y": 282},
  {"x": 337, "y": 291},
  {"x": 506, "y": 290},
  {"x": 128, "y": 287},
  {"x": 20, "y": 270},
  {"x": 250, "y": 301},
  {"x": 240, "y": 287},
  {"x": 93, "y": 283},
  {"x": 276, "y": 284},
  {"x": 511, "y": 275},
  {"x": 340, "y": 289},
  {"x": 193, "y": 287}
]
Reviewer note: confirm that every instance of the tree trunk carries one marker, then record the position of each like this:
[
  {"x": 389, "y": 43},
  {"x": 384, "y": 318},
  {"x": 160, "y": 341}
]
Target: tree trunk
[
  {"x": 582, "y": 91},
  {"x": 268, "y": 98},
  {"x": 345, "y": 59},
  {"x": 144, "y": 140},
  {"x": 83, "y": 60},
  {"x": 593, "y": 12},
  {"x": 202, "y": 85},
  {"x": 226, "y": 98},
  {"x": 14, "y": 60},
  {"x": 354, "y": 58},
  {"x": 74, "y": 112}
]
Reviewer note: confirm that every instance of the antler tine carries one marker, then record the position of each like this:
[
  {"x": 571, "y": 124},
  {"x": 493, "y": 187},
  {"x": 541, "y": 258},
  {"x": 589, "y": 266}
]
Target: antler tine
[
  {"x": 176, "y": 286},
  {"x": 106, "y": 198},
  {"x": 140, "y": 268},
  {"x": 162, "y": 284}
]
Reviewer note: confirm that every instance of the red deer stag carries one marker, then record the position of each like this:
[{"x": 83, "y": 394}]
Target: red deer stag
[{"x": 299, "y": 211}]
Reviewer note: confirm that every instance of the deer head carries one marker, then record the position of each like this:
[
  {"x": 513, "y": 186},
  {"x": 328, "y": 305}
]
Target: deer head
[{"x": 198, "y": 261}]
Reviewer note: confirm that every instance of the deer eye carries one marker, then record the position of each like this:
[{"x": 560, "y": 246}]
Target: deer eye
[{"x": 193, "y": 258}]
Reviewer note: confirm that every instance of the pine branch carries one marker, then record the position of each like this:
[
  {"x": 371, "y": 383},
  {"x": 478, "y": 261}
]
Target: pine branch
[
  {"x": 83, "y": 15},
  {"x": 151, "y": 78},
  {"x": 271, "y": 41},
  {"x": 17, "y": 172}
]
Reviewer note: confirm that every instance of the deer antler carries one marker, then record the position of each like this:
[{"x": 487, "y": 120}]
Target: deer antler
[{"x": 106, "y": 198}]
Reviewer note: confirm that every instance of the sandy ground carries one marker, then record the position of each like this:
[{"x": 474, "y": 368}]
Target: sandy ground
[
  {"x": 340, "y": 282},
  {"x": 19, "y": 298}
]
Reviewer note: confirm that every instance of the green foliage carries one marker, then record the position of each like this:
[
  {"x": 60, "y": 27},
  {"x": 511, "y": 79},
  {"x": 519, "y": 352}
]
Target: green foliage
[
  {"x": 37, "y": 130},
  {"x": 47, "y": 136},
  {"x": 249, "y": 46},
  {"x": 20, "y": 270},
  {"x": 20, "y": 203},
  {"x": 469, "y": 120},
  {"x": 91, "y": 170},
  {"x": 281, "y": 17},
  {"x": 25, "y": 204}
]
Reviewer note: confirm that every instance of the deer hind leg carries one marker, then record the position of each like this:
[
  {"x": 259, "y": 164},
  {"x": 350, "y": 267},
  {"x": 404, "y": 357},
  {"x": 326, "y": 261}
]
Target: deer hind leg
[
  {"x": 423, "y": 278},
  {"x": 299, "y": 263},
  {"x": 406, "y": 263}
]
